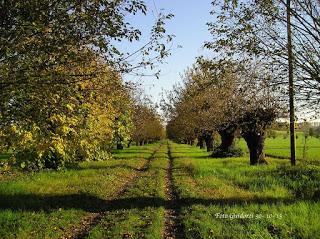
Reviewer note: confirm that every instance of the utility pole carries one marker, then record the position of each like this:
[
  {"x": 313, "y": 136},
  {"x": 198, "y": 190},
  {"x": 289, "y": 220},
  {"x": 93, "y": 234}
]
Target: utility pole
[{"x": 291, "y": 86}]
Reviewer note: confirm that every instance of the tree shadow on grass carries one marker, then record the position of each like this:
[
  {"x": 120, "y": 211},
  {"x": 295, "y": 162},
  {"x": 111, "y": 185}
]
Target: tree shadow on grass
[
  {"x": 91, "y": 203},
  {"x": 132, "y": 151},
  {"x": 105, "y": 167},
  {"x": 194, "y": 157},
  {"x": 128, "y": 157}
]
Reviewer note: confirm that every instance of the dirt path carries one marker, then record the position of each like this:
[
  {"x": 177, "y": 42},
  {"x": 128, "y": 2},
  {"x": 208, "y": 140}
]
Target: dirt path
[
  {"x": 83, "y": 229},
  {"x": 174, "y": 228}
]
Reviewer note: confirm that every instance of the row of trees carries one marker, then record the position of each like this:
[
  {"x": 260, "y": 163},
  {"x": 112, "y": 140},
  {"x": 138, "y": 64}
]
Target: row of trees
[
  {"x": 62, "y": 97},
  {"x": 46, "y": 127},
  {"x": 148, "y": 126},
  {"x": 285, "y": 34},
  {"x": 255, "y": 44},
  {"x": 223, "y": 97},
  {"x": 144, "y": 125}
]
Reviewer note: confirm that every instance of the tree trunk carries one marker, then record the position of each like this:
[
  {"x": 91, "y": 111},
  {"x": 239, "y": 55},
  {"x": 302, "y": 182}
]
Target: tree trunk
[
  {"x": 200, "y": 142},
  {"x": 255, "y": 142},
  {"x": 227, "y": 137},
  {"x": 209, "y": 141},
  {"x": 119, "y": 146},
  {"x": 129, "y": 143}
]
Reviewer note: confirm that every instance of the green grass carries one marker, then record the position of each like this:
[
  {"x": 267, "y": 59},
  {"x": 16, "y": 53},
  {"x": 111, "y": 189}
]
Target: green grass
[
  {"x": 278, "y": 201},
  {"x": 139, "y": 213},
  {"x": 280, "y": 146},
  {"x": 273, "y": 201},
  {"x": 45, "y": 204}
]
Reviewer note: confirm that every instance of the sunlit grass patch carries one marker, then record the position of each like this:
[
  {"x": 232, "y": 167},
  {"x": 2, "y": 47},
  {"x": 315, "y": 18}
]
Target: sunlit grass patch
[
  {"x": 280, "y": 146},
  {"x": 46, "y": 204},
  {"x": 139, "y": 213},
  {"x": 253, "y": 221},
  {"x": 284, "y": 201}
]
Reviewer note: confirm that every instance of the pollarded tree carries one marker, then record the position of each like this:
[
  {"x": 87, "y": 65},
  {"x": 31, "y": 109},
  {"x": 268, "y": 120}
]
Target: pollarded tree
[
  {"x": 198, "y": 107},
  {"x": 223, "y": 95},
  {"x": 245, "y": 89},
  {"x": 182, "y": 114},
  {"x": 253, "y": 126},
  {"x": 259, "y": 108},
  {"x": 219, "y": 99},
  {"x": 252, "y": 108},
  {"x": 286, "y": 35},
  {"x": 180, "y": 131}
]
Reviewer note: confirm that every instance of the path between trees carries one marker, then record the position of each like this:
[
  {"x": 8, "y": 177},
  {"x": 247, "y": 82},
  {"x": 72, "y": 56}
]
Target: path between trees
[
  {"x": 147, "y": 192},
  {"x": 173, "y": 224},
  {"x": 173, "y": 227},
  {"x": 82, "y": 230}
]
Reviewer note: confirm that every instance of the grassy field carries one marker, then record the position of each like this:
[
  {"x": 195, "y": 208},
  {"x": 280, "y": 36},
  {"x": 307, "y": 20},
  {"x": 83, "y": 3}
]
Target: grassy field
[
  {"x": 139, "y": 212},
  {"x": 47, "y": 204},
  {"x": 217, "y": 198},
  {"x": 226, "y": 198},
  {"x": 280, "y": 146}
]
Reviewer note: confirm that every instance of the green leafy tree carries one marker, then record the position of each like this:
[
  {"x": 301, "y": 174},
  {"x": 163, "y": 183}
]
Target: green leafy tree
[
  {"x": 147, "y": 124},
  {"x": 224, "y": 97},
  {"x": 60, "y": 83}
]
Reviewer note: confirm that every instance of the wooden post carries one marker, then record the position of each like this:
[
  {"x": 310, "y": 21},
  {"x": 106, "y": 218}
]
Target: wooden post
[{"x": 291, "y": 86}]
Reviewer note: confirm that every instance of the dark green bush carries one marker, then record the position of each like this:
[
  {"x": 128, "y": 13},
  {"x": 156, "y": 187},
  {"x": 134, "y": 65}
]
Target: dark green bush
[
  {"x": 30, "y": 160},
  {"x": 232, "y": 152}
]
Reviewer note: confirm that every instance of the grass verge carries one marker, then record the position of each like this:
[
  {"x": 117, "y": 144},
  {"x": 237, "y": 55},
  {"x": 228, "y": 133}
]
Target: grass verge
[
  {"x": 46, "y": 204},
  {"x": 227, "y": 198},
  {"x": 139, "y": 212}
]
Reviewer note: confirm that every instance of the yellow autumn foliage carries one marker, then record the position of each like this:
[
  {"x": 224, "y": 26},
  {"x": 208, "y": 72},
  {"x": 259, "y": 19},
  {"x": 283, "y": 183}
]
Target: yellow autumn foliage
[{"x": 73, "y": 120}]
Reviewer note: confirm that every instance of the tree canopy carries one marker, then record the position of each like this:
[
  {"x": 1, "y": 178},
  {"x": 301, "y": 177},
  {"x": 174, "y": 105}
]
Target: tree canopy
[
  {"x": 222, "y": 96},
  {"x": 62, "y": 94},
  {"x": 257, "y": 30}
]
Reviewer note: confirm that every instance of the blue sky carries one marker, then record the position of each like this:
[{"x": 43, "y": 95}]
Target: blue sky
[{"x": 189, "y": 27}]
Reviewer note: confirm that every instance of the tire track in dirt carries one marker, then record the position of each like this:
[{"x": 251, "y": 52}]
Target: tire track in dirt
[
  {"x": 174, "y": 228},
  {"x": 83, "y": 229}
]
